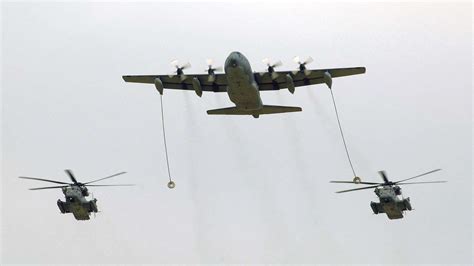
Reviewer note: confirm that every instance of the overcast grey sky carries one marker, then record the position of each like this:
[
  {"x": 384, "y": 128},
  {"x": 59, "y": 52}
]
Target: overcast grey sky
[{"x": 248, "y": 190}]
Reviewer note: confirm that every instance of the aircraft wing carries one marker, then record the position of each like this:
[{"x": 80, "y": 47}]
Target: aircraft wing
[
  {"x": 316, "y": 76},
  {"x": 175, "y": 82}
]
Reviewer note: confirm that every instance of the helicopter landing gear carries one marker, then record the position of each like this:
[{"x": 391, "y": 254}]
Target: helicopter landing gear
[
  {"x": 374, "y": 207},
  {"x": 61, "y": 206},
  {"x": 356, "y": 179},
  {"x": 93, "y": 206},
  {"x": 407, "y": 204}
]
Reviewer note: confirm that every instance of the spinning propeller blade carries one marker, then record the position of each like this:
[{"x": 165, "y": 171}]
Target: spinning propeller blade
[
  {"x": 354, "y": 189},
  {"x": 302, "y": 65},
  {"x": 308, "y": 60},
  {"x": 71, "y": 175},
  {"x": 352, "y": 182},
  {"x": 187, "y": 65},
  {"x": 42, "y": 179},
  {"x": 110, "y": 176},
  {"x": 271, "y": 68},
  {"x": 432, "y": 171},
  {"x": 175, "y": 63},
  {"x": 39, "y": 188},
  {"x": 75, "y": 182},
  {"x": 115, "y": 185},
  {"x": 384, "y": 176},
  {"x": 425, "y": 182},
  {"x": 179, "y": 69},
  {"x": 211, "y": 70},
  {"x": 387, "y": 182}
]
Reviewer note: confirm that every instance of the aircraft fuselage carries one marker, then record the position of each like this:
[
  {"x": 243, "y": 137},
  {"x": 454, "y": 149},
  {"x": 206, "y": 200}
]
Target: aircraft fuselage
[
  {"x": 389, "y": 202},
  {"x": 76, "y": 203},
  {"x": 242, "y": 87}
]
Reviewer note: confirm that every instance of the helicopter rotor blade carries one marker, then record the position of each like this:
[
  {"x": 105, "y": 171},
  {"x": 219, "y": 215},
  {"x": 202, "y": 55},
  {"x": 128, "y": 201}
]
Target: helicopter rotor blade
[
  {"x": 352, "y": 182},
  {"x": 42, "y": 179},
  {"x": 115, "y": 185},
  {"x": 39, "y": 188},
  {"x": 424, "y": 182},
  {"x": 384, "y": 176},
  {"x": 107, "y": 177},
  {"x": 71, "y": 175},
  {"x": 432, "y": 171},
  {"x": 354, "y": 189}
]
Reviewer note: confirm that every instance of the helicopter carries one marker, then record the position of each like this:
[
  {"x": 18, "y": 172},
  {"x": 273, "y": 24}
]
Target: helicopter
[
  {"x": 391, "y": 201},
  {"x": 75, "y": 195}
]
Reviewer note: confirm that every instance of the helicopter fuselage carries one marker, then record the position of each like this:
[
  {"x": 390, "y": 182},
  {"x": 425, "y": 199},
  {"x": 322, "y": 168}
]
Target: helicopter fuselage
[
  {"x": 390, "y": 203},
  {"x": 77, "y": 203}
]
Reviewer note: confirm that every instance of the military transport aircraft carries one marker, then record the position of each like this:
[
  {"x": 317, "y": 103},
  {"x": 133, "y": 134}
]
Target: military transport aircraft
[{"x": 243, "y": 85}]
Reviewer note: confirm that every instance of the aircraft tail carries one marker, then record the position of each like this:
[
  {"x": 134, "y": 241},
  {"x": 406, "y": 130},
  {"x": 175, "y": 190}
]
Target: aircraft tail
[{"x": 265, "y": 110}]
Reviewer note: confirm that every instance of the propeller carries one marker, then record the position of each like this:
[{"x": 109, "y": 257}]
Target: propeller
[
  {"x": 425, "y": 182},
  {"x": 271, "y": 67},
  {"x": 179, "y": 69},
  {"x": 71, "y": 176},
  {"x": 39, "y": 188},
  {"x": 384, "y": 177},
  {"x": 42, "y": 179},
  {"x": 354, "y": 189},
  {"x": 110, "y": 176},
  {"x": 74, "y": 182},
  {"x": 211, "y": 70},
  {"x": 114, "y": 185},
  {"x": 429, "y": 172},
  {"x": 388, "y": 182},
  {"x": 352, "y": 182},
  {"x": 302, "y": 65}
]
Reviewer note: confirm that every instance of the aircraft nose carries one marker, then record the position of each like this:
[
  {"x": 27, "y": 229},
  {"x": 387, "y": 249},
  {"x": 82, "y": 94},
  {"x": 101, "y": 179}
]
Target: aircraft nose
[
  {"x": 233, "y": 59},
  {"x": 232, "y": 62}
]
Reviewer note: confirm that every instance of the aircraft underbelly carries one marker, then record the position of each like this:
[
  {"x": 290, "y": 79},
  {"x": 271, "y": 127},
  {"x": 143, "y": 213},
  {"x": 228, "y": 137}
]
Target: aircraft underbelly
[
  {"x": 242, "y": 90},
  {"x": 79, "y": 212},
  {"x": 392, "y": 210}
]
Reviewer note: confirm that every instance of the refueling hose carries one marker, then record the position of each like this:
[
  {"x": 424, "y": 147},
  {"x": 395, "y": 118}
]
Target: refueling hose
[
  {"x": 171, "y": 184},
  {"x": 343, "y": 138}
]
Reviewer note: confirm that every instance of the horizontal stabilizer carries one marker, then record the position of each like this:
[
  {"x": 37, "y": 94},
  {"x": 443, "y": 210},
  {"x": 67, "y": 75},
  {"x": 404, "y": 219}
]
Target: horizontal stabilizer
[{"x": 266, "y": 109}]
